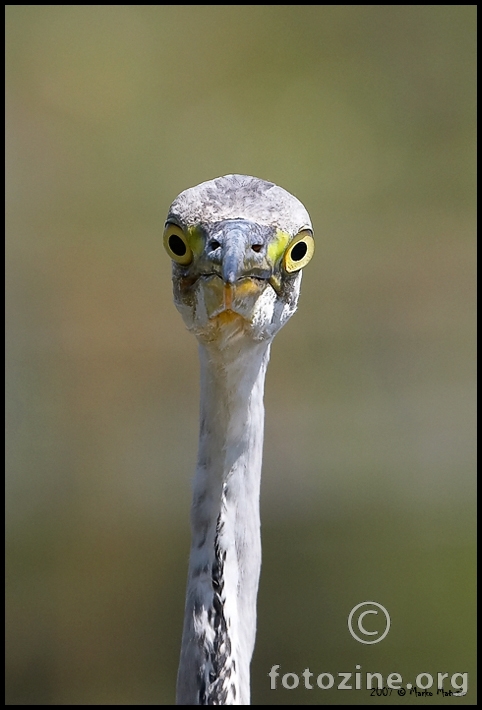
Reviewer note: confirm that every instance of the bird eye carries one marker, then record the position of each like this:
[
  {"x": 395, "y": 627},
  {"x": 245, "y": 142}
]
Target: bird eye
[
  {"x": 176, "y": 245},
  {"x": 299, "y": 252}
]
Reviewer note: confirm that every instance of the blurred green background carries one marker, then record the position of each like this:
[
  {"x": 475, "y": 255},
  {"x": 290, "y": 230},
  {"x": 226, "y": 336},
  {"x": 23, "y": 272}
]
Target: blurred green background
[{"x": 367, "y": 114}]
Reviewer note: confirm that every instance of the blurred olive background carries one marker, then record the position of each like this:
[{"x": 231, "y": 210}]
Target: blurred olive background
[{"x": 367, "y": 114}]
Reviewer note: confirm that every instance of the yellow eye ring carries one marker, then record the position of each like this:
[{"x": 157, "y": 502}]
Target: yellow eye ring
[
  {"x": 176, "y": 245},
  {"x": 299, "y": 252}
]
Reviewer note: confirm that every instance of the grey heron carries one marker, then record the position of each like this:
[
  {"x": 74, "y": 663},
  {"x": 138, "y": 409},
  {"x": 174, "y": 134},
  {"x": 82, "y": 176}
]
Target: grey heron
[{"x": 238, "y": 245}]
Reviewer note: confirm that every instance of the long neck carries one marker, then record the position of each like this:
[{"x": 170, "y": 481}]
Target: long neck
[{"x": 220, "y": 615}]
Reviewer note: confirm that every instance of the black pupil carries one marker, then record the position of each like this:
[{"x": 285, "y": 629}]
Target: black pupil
[
  {"x": 298, "y": 251},
  {"x": 177, "y": 245}
]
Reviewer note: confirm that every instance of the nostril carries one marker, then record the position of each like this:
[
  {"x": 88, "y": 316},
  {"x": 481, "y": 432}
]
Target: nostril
[
  {"x": 257, "y": 247},
  {"x": 214, "y": 245}
]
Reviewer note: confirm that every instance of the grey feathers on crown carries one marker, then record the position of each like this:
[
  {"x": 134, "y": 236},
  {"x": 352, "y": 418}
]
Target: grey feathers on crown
[{"x": 240, "y": 197}]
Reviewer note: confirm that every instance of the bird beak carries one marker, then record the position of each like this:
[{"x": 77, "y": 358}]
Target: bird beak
[
  {"x": 239, "y": 297},
  {"x": 233, "y": 264},
  {"x": 242, "y": 273},
  {"x": 234, "y": 279}
]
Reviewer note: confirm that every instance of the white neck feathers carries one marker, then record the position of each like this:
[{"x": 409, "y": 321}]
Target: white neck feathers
[{"x": 220, "y": 615}]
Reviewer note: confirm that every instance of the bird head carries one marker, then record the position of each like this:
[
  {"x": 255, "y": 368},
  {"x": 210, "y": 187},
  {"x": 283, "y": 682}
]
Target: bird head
[{"x": 238, "y": 245}]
